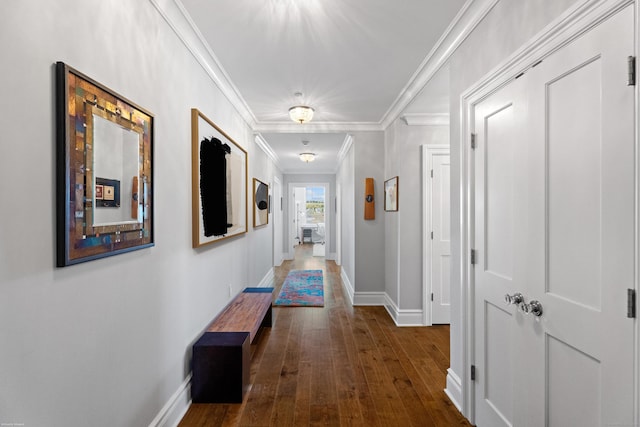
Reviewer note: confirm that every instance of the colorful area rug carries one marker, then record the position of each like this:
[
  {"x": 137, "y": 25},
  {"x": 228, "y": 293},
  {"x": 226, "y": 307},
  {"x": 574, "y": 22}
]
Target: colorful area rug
[{"x": 302, "y": 288}]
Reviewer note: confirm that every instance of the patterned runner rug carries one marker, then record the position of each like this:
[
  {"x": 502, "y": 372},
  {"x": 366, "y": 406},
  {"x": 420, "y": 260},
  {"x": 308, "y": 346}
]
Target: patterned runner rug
[{"x": 302, "y": 288}]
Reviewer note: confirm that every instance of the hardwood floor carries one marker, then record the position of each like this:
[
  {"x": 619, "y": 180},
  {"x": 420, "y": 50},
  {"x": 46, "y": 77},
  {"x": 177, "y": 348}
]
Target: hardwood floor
[{"x": 339, "y": 366}]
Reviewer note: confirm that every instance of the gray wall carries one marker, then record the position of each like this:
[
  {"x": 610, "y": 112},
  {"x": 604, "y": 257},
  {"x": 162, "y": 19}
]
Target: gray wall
[
  {"x": 107, "y": 342},
  {"x": 369, "y": 234},
  {"x": 403, "y": 229}
]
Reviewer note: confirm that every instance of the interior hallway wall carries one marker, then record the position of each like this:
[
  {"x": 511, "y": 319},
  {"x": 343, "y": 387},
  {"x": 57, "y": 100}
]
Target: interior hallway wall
[
  {"x": 403, "y": 229},
  {"x": 369, "y": 234},
  {"x": 107, "y": 342}
]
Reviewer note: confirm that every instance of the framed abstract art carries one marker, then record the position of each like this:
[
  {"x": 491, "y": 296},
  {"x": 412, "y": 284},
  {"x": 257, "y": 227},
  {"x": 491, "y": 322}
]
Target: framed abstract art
[{"x": 218, "y": 183}]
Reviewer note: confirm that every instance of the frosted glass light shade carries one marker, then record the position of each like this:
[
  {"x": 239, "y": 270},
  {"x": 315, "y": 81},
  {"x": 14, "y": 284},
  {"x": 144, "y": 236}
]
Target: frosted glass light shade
[
  {"x": 301, "y": 113},
  {"x": 307, "y": 157}
]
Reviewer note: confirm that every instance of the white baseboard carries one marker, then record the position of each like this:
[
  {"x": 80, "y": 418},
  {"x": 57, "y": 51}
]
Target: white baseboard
[
  {"x": 267, "y": 280},
  {"x": 454, "y": 389},
  {"x": 348, "y": 287},
  {"x": 175, "y": 408},
  {"x": 331, "y": 256},
  {"x": 369, "y": 298},
  {"x": 403, "y": 317},
  {"x": 400, "y": 317}
]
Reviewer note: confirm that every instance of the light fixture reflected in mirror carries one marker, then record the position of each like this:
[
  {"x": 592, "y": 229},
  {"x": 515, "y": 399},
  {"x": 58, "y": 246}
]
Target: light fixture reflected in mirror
[
  {"x": 301, "y": 113},
  {"x": 307, "y": 157}
]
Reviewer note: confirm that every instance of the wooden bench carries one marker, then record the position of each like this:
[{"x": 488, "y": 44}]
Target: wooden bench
[{"x": 221, "y": 356}]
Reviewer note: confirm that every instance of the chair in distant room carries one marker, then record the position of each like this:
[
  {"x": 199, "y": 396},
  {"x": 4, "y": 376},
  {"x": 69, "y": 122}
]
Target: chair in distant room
[{"x": 307, "y": 234}]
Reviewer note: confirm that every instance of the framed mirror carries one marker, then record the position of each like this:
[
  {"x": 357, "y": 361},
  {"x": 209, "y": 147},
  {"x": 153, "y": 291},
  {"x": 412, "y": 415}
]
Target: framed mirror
[{"x": 104, "y": 189}]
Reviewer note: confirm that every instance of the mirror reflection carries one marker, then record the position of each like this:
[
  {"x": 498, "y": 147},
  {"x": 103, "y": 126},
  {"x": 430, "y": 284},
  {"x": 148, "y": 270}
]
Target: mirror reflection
[{"x": 116, "y": 184}]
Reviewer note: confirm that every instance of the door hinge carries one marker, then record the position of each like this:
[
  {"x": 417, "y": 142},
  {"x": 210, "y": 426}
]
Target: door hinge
[
  {"x": 473, "y": 141},
  {"x": 431, "y": 173},
  {"x": 473, "y": 372},
  {"x": 631, "y": 68},
  {"x": 431, "y": 296},
  {"x": 432, "y": 235},
  {"x": 473, "y": 256},
  {"x": 631, "y": 303}
]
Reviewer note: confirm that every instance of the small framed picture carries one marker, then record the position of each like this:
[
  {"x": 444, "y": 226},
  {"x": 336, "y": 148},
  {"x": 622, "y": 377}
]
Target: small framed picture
[
  {"x": 260, "y": 203},
  {"x": 391, "y": 194}
]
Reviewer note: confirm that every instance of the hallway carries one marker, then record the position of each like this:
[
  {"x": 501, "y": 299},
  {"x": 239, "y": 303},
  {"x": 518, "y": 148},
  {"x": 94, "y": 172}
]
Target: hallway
[{"x": 338, "y": 366}]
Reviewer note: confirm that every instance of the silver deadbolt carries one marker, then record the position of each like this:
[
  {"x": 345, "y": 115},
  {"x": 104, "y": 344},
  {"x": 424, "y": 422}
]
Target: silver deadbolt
[{"x": 516, "y": 298}]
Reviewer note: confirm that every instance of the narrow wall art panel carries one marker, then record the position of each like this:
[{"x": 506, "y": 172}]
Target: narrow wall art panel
[{"x": 218, "y": 183}]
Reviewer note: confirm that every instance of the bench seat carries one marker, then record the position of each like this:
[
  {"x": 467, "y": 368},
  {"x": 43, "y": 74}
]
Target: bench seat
[
  {"x": 221, "y": 356},
  {"x": 246, "y": 313}
]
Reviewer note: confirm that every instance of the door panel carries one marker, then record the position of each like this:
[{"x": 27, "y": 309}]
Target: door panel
[
  {"x": 570, "y": 370},
  {"x": 499, "y": 163},
  {"x": 499, "y": 361},
  {"x": 583, "y": 117},
  {"x": 574, "y": 186},
  {"x": 498, "y": 155}
]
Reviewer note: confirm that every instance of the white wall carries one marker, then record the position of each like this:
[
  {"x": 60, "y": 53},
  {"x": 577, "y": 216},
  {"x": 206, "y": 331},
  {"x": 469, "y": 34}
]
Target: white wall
[{"x": 106, "y": 342}]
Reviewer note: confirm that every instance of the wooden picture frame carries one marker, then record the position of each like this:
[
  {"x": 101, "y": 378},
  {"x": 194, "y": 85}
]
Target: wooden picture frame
[
  {"x": 391, "y": 194},
  {"x": 218, "y": 183},
  {"x": 100, "y": 134},
  {"x": 260, "y": 203}
]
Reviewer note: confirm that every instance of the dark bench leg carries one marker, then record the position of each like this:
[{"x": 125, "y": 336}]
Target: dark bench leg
[
  {"x": 267, "y": 322},
  {"x": 220, "y": 364}
]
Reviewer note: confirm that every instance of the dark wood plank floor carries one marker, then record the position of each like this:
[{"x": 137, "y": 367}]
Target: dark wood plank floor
[{"x": 339, "y": 366}]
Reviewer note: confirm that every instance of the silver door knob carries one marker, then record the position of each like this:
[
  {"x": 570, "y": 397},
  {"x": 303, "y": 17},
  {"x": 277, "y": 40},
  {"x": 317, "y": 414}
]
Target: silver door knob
[
  {"x": 534, "y": 307},
  {"x": 516, "y": 298}
]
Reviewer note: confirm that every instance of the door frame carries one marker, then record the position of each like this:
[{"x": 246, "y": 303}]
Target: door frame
[
  {"x": 575, "y": 21},
  {"x": 278, "y": 229},
  {"x": 428, "y": 152},
  {"x": 327, "y": 210}
]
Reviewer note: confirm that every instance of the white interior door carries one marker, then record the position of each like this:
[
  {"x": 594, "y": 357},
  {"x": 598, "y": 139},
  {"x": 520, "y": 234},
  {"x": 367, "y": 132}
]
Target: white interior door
[
  {"x": 554, "y": 220},
  {"x": 438, "y": 264}
]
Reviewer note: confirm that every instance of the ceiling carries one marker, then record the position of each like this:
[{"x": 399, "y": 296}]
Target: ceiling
[{"x": 352, "y": 60}]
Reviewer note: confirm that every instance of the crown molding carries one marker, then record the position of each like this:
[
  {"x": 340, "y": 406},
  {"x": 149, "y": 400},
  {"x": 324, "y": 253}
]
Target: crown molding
[
  {"x": 294, "y": 171},
  {"x": 178, "y": 19},
  {"x": 471, "y": 14},
  {"x": 427, "y": 119},
  {"x": 346, "y": 146},
  {"x": 264, "y": 146},
  {"x": 316, "y": 127}
]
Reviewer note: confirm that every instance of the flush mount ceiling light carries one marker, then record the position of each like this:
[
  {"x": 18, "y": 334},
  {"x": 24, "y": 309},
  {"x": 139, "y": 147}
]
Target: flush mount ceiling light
[
  {"x": 307, "y": 157},
  {"x": 301, "y": 113}
]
